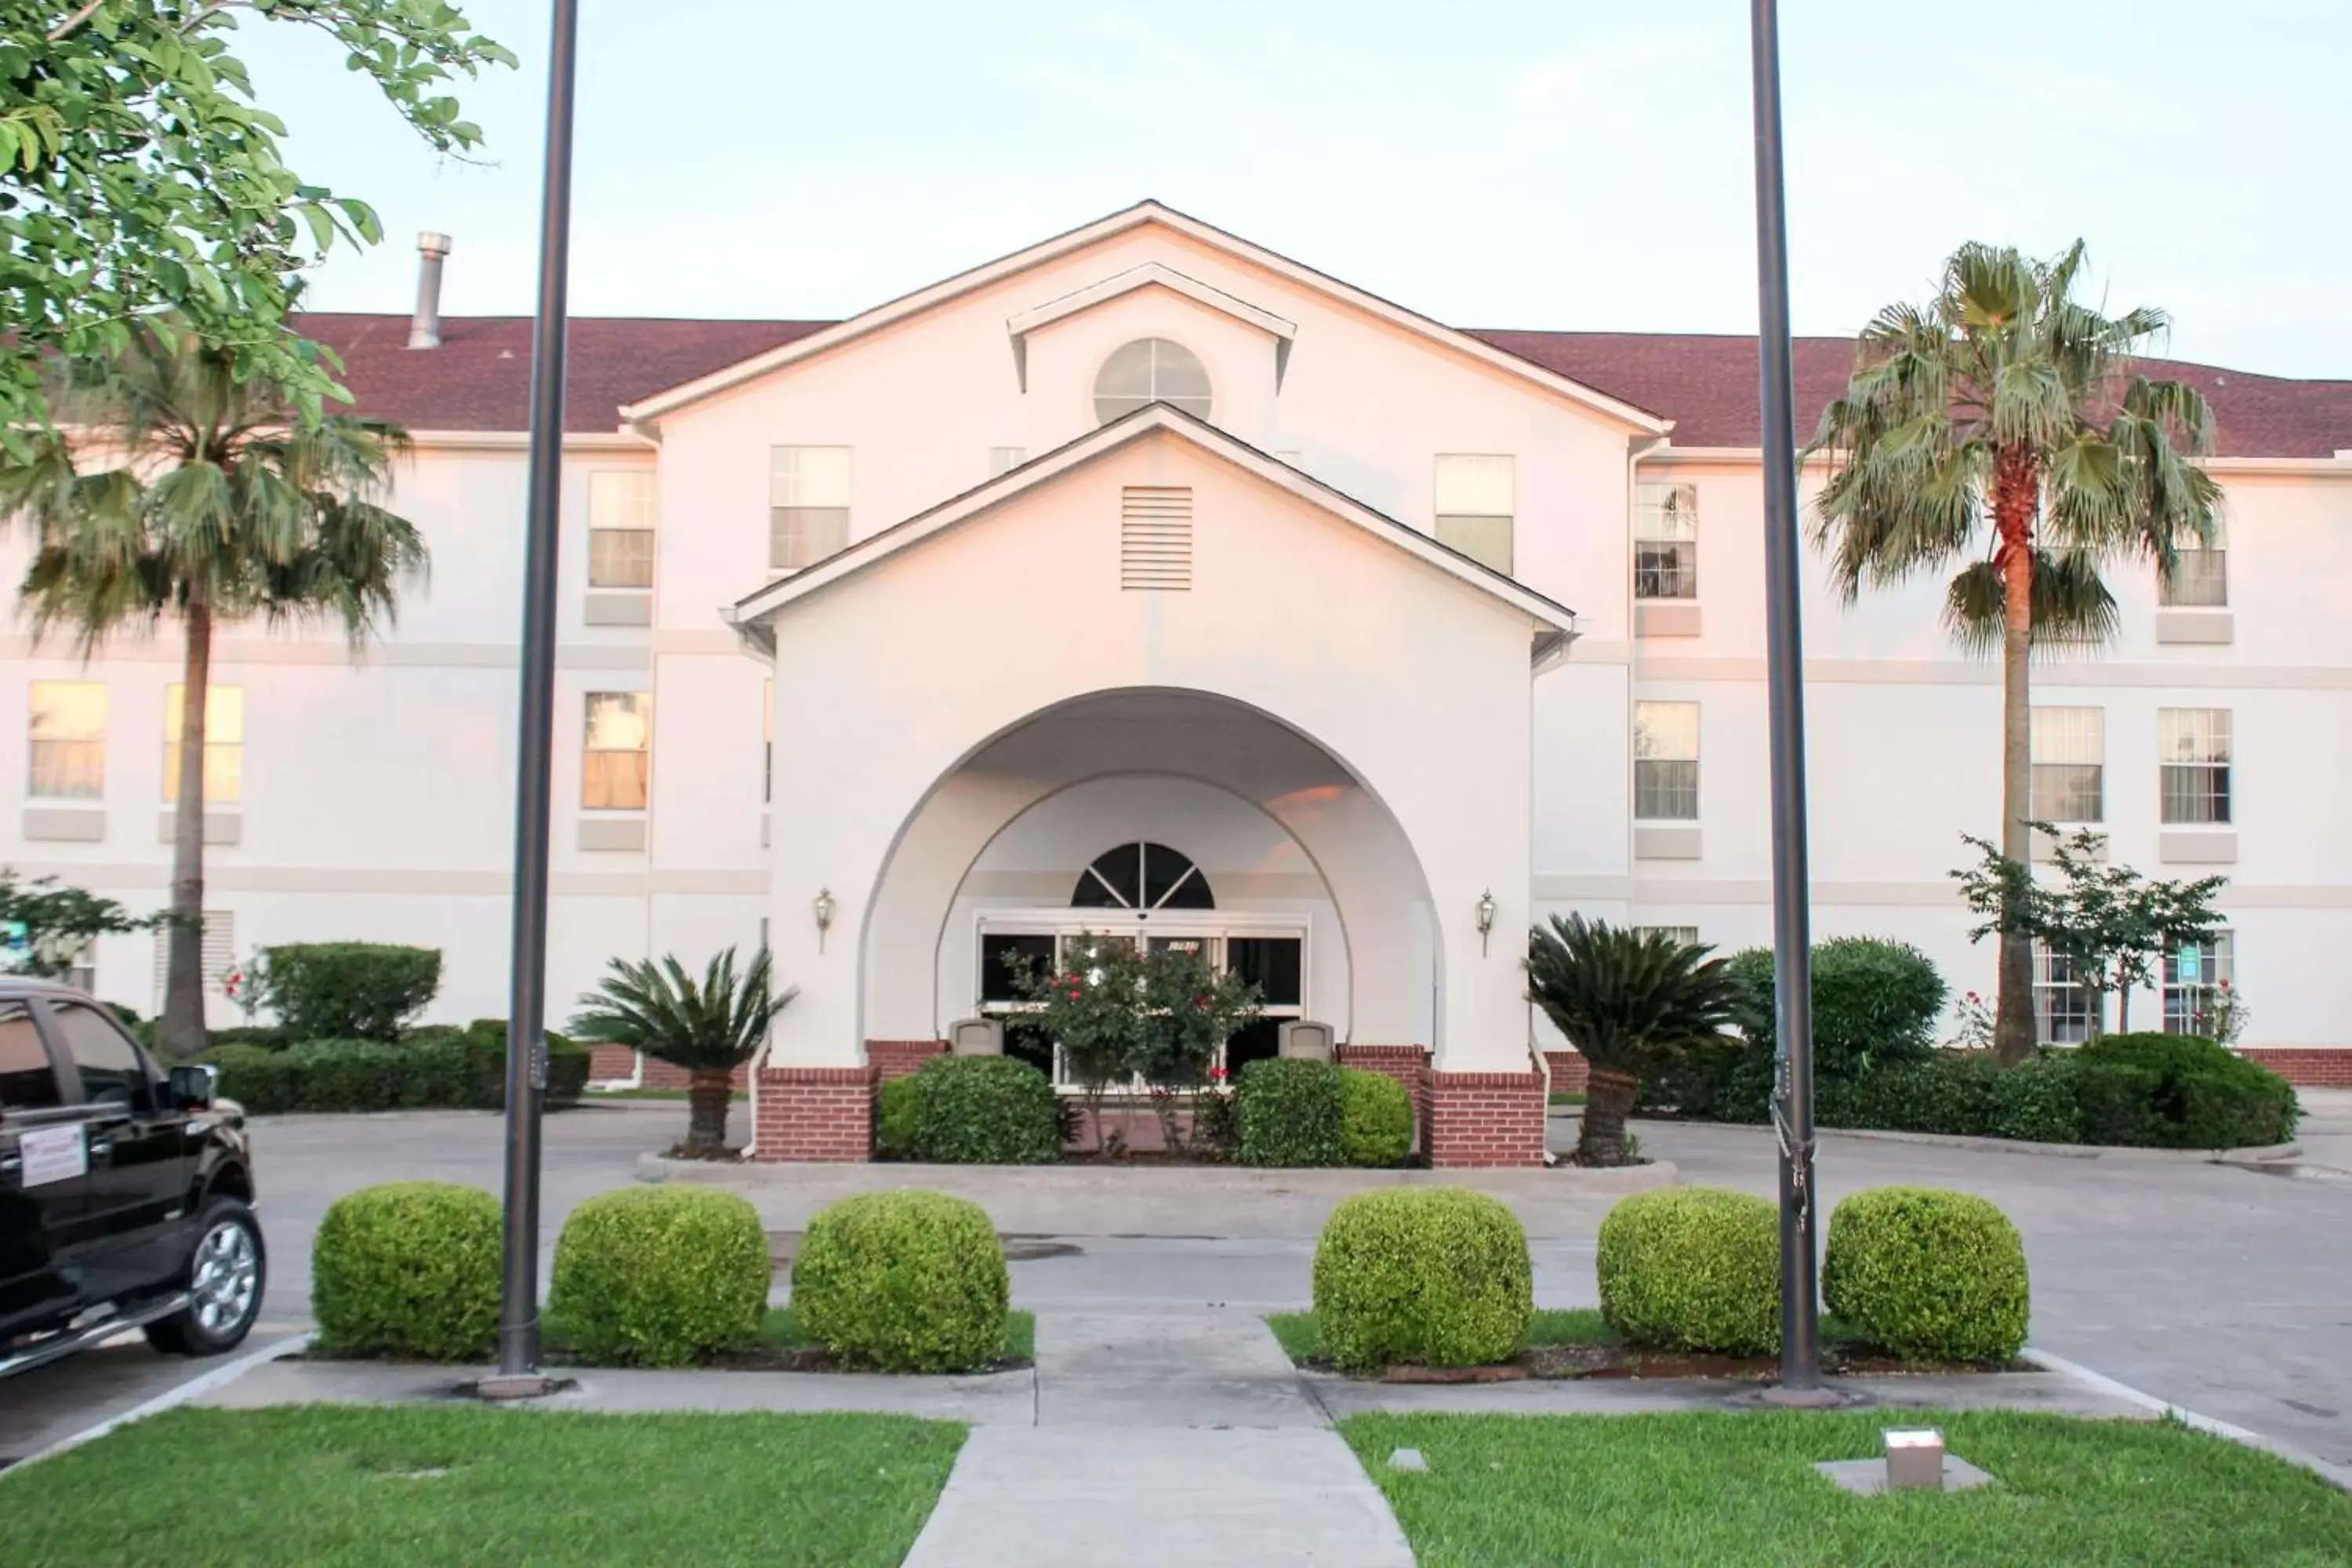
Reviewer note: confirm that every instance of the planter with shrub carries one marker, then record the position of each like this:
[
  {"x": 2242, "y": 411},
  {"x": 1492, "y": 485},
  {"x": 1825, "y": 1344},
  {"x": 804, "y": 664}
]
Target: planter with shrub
[
  {"x": 1693, "y": 1268},
  {"x": 978, "y": 1110},
  {"x": 1291, "y": 1111},
  {"x": 1932, "y": 1276},
  {"x": 409, "y": 1269},
  {"x": 661, "y": 1276},
  {"x": 1376, "y": 1119},
  {"x": 904, "y": 1281},
  {"x": 1421, "y": 1276}
]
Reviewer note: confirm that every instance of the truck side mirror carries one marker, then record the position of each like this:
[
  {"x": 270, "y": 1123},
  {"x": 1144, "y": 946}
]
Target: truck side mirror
[{"x": 193, "y": 1086}]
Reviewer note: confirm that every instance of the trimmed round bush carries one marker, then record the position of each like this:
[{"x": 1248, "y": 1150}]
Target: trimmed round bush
[
  {"x": 1429, "y": 1276},
  {"x": 348, "y": 990},
  {"x": 1693, "y": 1268},
  {"x": 985, "y": 1111},
  {"x": 1291, "y": 1111},
  {"x": 1930, "y": 1275},
  {"x": 410, "y": 1269},
  {"x": 660, "y": 1276},
  {"x": 2205, "y": 1096},
  {"x": 1375, "y": 1120},
  {"x": 908, "y": 1281},
  {"x": 896, "y": 1116}
]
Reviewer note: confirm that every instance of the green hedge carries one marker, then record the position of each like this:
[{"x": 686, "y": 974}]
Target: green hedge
[
  {"x": 1376, "y": 1117},
  {"x": 907, "y": 1281},
  {"x": 428, "y": 1069},
  {"x": 898, "y": 1115},
  {"x": 1693, "y": 1268},
  {"x": 2205, "y": 1096},
  {"x": 1927, "y": 1273},
  {"x": 983, "y": 1110},
  {"x": 1428, "y": 1276},
  {"x": 348, "y": 990},
  {"x": 660, "y": 1276},
  {"x": 1291, "y": 1111},
  {"x": 408, "y": 1268}
]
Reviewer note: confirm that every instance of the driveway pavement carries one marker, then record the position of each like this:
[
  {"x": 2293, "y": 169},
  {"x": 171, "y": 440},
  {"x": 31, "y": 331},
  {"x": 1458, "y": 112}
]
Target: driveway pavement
[{"x": 2223, "y": 1290}]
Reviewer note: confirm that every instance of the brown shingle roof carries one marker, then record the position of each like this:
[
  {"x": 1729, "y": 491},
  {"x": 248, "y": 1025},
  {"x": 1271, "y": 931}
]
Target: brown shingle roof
[{"x": 479, "y": 378}]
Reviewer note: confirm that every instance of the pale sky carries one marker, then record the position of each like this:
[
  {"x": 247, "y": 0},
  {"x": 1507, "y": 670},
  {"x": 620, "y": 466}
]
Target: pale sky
[{"x": 1568, "y": 165}]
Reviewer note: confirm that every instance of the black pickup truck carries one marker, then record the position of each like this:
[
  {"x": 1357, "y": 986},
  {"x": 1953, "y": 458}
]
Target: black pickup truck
[{"x": 126, "y": 1193}]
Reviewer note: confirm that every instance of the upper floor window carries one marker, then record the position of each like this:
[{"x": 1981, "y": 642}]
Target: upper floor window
[
  {"x": 2193, "y": 746},
  {"x": 1152, "y": 370},
  {"x": 224, "y": 743},
  {"x": 1476, "y": 495},
  {"x": 1680, "y": 936},
  {"x": 1665, "y": 762},
  {"x": 2069, "y": 764},
  {"x": 808, "y": 504},
  {"x": 1665, "y": 541},
  {"x": 621, "y": 506},
  {"x": 617, "y": 756},
  {"x": 2201, "y": 578},
  {"x": 68, "y": 740}
]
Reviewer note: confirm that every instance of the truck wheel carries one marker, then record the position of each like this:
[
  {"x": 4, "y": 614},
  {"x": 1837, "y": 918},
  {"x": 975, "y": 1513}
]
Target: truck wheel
[{"x": 225, "y": 1276}]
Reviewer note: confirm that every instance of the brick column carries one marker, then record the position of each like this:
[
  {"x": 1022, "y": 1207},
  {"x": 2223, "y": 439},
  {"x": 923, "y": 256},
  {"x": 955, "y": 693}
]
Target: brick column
[
  {"x": 1568, "y": 1070},
  {"x": 1485, "y": 1119},
  {"x": 815, "y": 1113},
  {"x": 900, "y": 1059},
  {"x": 2307, "y": 1067}
]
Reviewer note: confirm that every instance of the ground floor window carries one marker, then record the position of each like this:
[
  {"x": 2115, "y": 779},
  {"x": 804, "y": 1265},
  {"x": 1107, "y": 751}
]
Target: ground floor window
[
  {"x": 2193, "y": 977},
  {"x": 2061, "y": 1003}
]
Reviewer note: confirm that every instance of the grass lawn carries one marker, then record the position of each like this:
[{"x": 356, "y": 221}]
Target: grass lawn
[
  {"x": 1565, "y": 1097},
  {"x": 591, "y": 1096},
  {"x": 348, "y": 1485},
  {"x": 1738, "y": 1487},
  {"x": 1551, "y": 1326}
]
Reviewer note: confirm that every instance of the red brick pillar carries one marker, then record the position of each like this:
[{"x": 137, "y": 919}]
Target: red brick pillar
[
  {"x": 1485, "y": 1119},
  {"x": 1568, "y": 1070},
  {"x": 1409, "y": 1065},
  {"x": 815, "y": 1114},
  {"x": 900, "y": 1058}
]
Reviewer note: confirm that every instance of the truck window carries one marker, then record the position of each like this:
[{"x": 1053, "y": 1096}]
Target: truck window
[
  {"x": 27, "y": 1082},
  {"x": 111, "y": 1072}
]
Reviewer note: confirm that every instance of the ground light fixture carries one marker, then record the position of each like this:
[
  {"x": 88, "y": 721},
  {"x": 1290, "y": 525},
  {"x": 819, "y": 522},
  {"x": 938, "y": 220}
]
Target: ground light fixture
[{"x": 1485, "y": 919}]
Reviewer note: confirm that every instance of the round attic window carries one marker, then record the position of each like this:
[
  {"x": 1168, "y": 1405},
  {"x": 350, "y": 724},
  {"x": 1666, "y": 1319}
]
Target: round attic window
[{"x": 1152, "y": 370}]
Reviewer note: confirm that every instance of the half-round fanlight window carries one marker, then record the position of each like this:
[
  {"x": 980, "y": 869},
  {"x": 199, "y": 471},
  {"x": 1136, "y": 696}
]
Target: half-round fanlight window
[
  {"x": 1152, "y": 370},
  {"x": 1143, "y": 877}
]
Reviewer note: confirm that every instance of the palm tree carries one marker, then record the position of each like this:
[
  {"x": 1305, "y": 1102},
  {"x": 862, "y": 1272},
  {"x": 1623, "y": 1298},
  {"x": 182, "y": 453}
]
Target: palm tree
[
  {"x": 708, "y": 1029},
  {"x": 175, "y": 486},
  {"x": 1999, "y": 426},
  {"x": 1627, "y": 1000}
]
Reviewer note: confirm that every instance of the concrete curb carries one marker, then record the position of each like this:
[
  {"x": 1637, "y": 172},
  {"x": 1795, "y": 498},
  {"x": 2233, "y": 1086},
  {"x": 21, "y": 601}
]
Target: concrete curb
[
  {"x": 2267, "y": 1154},
  {"x": 194, "y": 1388},
  {"x": 1564, "y": 1180},
  {"x": 2338, "y": 1476}
]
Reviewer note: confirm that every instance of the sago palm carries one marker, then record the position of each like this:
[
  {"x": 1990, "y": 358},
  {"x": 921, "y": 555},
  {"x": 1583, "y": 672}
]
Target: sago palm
[
  {"x": 708, "y": 1029},
  {"x": 1999, "y": 427},
  {"x": 173, "y": 489},
  {"x": 1627, "y": 1000}
]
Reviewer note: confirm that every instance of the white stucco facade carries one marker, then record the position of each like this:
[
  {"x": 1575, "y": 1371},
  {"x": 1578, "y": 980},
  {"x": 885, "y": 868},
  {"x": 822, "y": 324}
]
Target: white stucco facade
[{"x": 1352, "y": 732}]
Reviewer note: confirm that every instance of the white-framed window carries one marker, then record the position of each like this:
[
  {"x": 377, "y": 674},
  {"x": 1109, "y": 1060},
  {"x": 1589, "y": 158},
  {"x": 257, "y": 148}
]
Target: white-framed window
[
  {"x": 2193, "y": 748},
  {"x": 1686, "y": 936},
  {"x": 1148, "y": 371},
  {"x": 616, "y": 752},
  {"x": 67, "y": 736},
  {"x": 622, "y": 503},
  {"x": 2070, "y": 764},
  {"x": 224, "y": 743},
  {"x": 808, "y": 504},
  {"x": 768, "y": 741},
  {"x": 2193, "y": 975},
  {"x": 2201, "y": 576},
  {"x": 1665, "y": 541},
  {"x": 1004, "y": 459},
  {"x": 1477, "y": 497},
  {"x": 2062, "y": 1003},
  {"x": 1665, "y": 762},
  {"x": 216, "y": 953}
]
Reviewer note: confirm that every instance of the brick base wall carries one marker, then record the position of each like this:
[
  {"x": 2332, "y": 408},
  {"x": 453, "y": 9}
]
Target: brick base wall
[
  {"x": 1568, "y": 1071},
  {"x": 900, "y": 1059},
  {"x": 611, "y": 1064},
  {"x": 815, "y": 1113},
  {"x": 618, "y": 1065},
  {"x": 1485, "y": 1119},
  {"x": 2308, "y": 1066}
]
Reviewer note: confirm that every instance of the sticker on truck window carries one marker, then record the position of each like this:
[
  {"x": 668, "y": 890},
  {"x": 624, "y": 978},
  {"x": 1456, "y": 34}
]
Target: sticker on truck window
[{"x": 52, "y": 1154}]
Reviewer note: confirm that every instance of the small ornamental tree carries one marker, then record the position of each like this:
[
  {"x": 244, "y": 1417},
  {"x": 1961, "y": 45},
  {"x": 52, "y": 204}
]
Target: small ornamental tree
[
  {"x": 1190, "y": 1008},
  {"x": 2112, "y": 925},
  {"x": 709, "y": 1028},
  {"x": 55, "y": 923},
  {"x": 1088, "y": 1006}
]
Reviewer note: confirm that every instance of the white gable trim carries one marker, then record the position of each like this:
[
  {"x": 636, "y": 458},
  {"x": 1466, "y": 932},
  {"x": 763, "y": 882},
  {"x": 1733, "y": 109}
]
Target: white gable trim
[
  {"x": 1141, "y": 214},
  {"x": 1150, "y": 275},
  {"x": 1554, "y": 623}
]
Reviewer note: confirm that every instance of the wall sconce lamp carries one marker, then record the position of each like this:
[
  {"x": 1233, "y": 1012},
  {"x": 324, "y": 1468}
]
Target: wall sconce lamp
[
  {"x": 822, "y": 907},
  {"x": 1485, "y": 919}
]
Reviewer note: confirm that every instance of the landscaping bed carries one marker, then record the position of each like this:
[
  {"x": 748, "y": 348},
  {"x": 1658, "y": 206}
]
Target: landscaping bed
[
  {"x": 1740, "y": 1489},
  {"x": 782, "y": 1346},
  {"x": 357, "y": 1487}
]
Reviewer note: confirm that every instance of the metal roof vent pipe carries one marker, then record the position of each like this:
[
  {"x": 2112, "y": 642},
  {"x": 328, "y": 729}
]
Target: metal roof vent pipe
[{"x": 424, "y": 331}]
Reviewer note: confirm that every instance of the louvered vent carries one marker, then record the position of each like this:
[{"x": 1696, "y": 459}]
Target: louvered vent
[
  {"x": 217, "y": 954},
  {"x": 1155, "y": 537}
]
